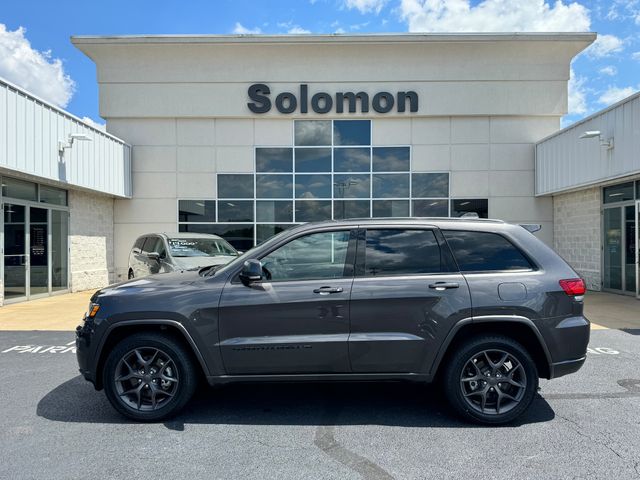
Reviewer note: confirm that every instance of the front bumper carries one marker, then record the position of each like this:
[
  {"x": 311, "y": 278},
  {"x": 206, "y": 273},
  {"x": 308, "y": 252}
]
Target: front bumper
[{"x": 84, "y": 333}]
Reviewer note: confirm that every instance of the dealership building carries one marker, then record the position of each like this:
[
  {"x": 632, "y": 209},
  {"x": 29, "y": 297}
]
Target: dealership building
[{"x": 244, "y": 136}]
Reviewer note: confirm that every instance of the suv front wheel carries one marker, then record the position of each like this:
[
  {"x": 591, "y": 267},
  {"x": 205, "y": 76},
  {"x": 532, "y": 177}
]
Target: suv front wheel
[
  {"x": 491, "y": 379},
  {"x": 149, "y": 376}
]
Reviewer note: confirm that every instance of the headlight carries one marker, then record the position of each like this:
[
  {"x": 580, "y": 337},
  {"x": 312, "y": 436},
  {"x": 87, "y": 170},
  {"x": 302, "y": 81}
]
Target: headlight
[{"x": 93, "y": 310}]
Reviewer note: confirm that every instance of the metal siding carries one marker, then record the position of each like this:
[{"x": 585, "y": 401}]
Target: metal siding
[
  {"x": 29, "y": 133},
  {"x": 563, "y": 161}
]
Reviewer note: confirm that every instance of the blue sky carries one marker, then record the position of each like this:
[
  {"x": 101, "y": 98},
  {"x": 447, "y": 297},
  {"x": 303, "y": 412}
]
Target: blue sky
[{"x": 35, "y": 51}]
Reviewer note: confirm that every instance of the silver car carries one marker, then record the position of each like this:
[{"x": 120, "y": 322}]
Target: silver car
[{"x": 168, "y": 252}]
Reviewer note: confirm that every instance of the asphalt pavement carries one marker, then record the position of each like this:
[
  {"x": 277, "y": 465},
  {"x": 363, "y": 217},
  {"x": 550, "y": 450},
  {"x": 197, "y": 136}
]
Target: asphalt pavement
[{"x": 55, "y": 425}]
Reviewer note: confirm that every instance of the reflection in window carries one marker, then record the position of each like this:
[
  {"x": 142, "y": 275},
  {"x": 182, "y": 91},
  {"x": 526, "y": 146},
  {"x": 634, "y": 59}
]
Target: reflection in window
[
  {"x": 235, "y": 210},
  {"x": 351, "y": 209},
  {"x": 352, "y": 159},
  {"x": 238, "y": 235},
  {"x": 274, "y": 211},
  {"x": 352, "y": 132},
  {"x": 265, "y": 231},
  {"x": 315, "y": 256},
  {"x": 233, "y": 185},
  {"x": 274, "y": 159},
  {"x": 197, "y": 211},
  {"x": 312, "y": 133},
  {"x": 618, "y": 193},
  {"x": 470, "y": 207},
  {"x": 313, "y": 210},
  {"x": 274, "y": 186},
  {"x": 401, "y": 252},
  {"x": 391, "y": 208},
  {"x": 351, "y": 186},
  {"x": 393, "y": 185},
  {"x": 431, "y": 208},
  {"x": 55, "y": 196},
  {"x": 313, "y": 160},
  {"x": 391, "y": 159},
  {"x": 483, "y": 251},
  {"x": 430, "y": 185},
  {"x": 313, "y": 186},
  {"x": 14, "y": 188}
]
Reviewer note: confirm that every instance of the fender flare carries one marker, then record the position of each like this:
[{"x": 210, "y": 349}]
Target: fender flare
[
  {"x": 490, "y": 319},
  {"x": 150, "y": 322}
]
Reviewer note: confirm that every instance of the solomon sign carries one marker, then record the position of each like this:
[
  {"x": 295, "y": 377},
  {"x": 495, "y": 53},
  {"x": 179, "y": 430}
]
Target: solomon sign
[{"x": 322, "y": 102}]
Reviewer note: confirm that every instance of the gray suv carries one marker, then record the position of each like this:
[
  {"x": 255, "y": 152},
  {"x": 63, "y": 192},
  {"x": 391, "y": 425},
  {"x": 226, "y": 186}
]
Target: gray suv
[{"x": 480, "y": 305}]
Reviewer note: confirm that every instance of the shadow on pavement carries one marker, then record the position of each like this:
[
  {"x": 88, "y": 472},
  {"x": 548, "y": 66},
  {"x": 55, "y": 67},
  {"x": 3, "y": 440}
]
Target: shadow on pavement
[{"x": 383, "y": 403}]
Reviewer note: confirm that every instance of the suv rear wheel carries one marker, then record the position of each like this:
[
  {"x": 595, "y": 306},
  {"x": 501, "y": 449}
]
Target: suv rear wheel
[
  {"x": 149, "y": 377},
  {"x": 491, "y": 379}
]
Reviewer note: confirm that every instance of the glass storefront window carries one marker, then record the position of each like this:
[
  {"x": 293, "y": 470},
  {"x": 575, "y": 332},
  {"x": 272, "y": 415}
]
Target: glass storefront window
[
  {"x": 313, "y": 186},
  {"x": 274, "y": 211},
  {"x": 19, "y": 189},
  {"x": 312, "y": 133},
  {"x": 479, "y": 206},
  {"x": 391, "y": 159},
  {"x": 618, "y": 193},
  {"x": 313, "y": 210},
  {"x": 390, "y": 208},
  {"x": 274, "y": 186},
  {"x": 310, "y": 160},
  {"x": 351, "y": 209},
  {"x": 431, "y": 208},
  {"x": 391, "y": 185},
  {"x": 430, "y": 185},
  {"x": 352, "y": 132},
  {"x": 274, "y": 160},
  {"x": 352, "y": 159},
  {"x": 196, "y": 211},
  {"x": 235, "y": 211},
  {"x": 231, "y": 185},
  {"x": 55, "y": 196}
]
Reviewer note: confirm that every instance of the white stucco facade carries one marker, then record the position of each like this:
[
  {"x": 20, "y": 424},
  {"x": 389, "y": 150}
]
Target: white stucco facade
[{"x": 182, "y": 103}]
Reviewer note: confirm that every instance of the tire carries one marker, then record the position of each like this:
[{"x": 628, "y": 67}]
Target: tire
[
  {"x": 152, "y": 390},
  {"x": 130, "y": 274},
  {"x": 481, "y": 389}
]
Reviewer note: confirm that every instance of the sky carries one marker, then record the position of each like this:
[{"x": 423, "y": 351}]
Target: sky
[{"x": 36, "y": 53}]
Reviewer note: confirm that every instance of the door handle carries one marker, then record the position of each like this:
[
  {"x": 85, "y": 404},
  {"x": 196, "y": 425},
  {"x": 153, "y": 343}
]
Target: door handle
[
  {"x": 440, "y": 286},
  {"x": 327, "y": 290}
]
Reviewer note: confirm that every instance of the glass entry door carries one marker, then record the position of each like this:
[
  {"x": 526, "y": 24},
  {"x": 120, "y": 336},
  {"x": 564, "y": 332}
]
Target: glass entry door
[
  {"x": 35, "y": 251},
  {"x": 620, "y": 262},
  {"x": 15, "y": 252}
]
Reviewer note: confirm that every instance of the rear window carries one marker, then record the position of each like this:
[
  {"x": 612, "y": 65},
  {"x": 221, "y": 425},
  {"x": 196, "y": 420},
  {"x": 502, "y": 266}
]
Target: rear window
[
  {"x": 401, "y": 252},
  {"x": 483, "y": 251}
]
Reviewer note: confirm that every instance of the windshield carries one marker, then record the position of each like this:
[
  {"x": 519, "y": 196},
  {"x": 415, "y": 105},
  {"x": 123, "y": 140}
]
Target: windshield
[{"x": 200, "y": 247}]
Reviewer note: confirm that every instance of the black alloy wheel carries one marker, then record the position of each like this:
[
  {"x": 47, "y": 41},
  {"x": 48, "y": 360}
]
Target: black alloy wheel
[
  {"x": 491, "y": 380},
  {"x": 149, "y": 376}
]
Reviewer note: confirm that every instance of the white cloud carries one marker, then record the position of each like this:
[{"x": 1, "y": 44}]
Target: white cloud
[
  {"x": 33, "y": 70},
  {"x": 296, "y": 30},
  {"x": 365, "y": 6},
  {"x": 604, "y": 46},
  {"x": 340, "y": 30},
  {"x": 94, "y": 124},
  {"x": 615, "y": 94},
  {"x": 635, "y": 56},
  {"x": 494, "y": 16},
  {"x": 609, "y": 70},
  {"x": 577, "y": 104},
  {"x": 242, "y": 30}
]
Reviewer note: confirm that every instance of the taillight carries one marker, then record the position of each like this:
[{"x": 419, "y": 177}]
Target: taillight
[{"x": 573, "y": 286}]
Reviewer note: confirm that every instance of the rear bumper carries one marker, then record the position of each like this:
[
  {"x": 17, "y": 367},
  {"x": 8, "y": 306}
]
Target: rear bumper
[{"x": 560, "y": 369}]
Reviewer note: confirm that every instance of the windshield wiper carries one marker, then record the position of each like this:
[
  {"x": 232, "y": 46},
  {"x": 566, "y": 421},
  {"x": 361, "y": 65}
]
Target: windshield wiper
[{"x": 210, "y": 270}]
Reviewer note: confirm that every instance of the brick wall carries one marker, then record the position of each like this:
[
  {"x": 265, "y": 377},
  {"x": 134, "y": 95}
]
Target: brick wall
[
  {"x": 90, "y": 240},
  {"x": 577, "y": 233}
]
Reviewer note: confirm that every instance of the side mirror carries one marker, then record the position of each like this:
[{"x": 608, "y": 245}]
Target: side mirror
[
  {"x": 153, "y": 256},
  {"x": 251, "y": 271}
]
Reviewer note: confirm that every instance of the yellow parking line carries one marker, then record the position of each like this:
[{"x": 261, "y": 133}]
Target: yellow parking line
[{"x": 595, "y": 326}]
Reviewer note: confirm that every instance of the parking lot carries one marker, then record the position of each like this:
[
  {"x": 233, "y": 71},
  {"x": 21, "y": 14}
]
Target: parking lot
[{"x": 54, "y": 425}]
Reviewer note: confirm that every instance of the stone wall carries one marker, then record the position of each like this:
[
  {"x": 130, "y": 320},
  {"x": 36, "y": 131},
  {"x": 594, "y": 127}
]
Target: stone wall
[
  {"x": 577, "y": 235},
  {"x": 90, "y": 240}
]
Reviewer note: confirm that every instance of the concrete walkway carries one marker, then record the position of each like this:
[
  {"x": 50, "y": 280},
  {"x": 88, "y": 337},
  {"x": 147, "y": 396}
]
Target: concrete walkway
[
  {"x": 59, "y": 312},
  {"x": 64, "y": 312},
  {"x": 613, "y": 311}
]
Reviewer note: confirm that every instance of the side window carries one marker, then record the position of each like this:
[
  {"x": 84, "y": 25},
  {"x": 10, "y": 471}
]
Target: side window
[
  {"x": 152, "y": 245},
  {"x": 316, "y": 256},
  {"x": 137, "y": 247},
  {"x": 484, "y": 251},
  {"x": 401, "y": 252}
]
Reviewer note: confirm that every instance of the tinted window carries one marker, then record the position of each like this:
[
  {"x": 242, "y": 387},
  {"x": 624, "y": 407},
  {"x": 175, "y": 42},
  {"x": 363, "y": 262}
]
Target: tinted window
[
  {"x": 350, "y": 209},
  {"x": 352, "y": 159},
  {"x": 479, "y": 206},
  {"x": 394, "y": 185},
  {"x": 14, "y": 188},
  {"x": 401, "y": 252},
  {"x": 197, "y": 211},
  {"x": 153, "y": 244},
  {"x": 274, "y": 211},
  {"x": 483, "y": 251},
  {"x": 390, "y": 159},
  {"x": 274, "y": 186},
  {"x": 274, "y": 159},
  {"x": 313, "y": 210},
  {"x": 352, "y": 132},
  {"x": 313, "y": 132},
  {"x": 430, "y": 208},
  {"x": 618, "y": 193},
  {"x": 238, "y": 235},
  {"x": 53, "y": 195},
  {"x": 316, "y": 256},
  {"x": 430, "y": 185},
  {"x": 235, "y": 211},
  {"x": 313, "y": 186},
  {"x": 231, "y": 185},
  {"x": 351, "y": 186},
  {"x": 391, "y": 208},
  {"x": 138, "y": 245},
  {"x": 313, "y": 159}
]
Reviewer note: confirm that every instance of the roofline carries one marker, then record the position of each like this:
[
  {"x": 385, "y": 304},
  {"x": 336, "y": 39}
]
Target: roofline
[
  {"x": 590, "y": 117},
  {"x": 61, "y": 111},
  {"x": 332, "y": 38}
]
